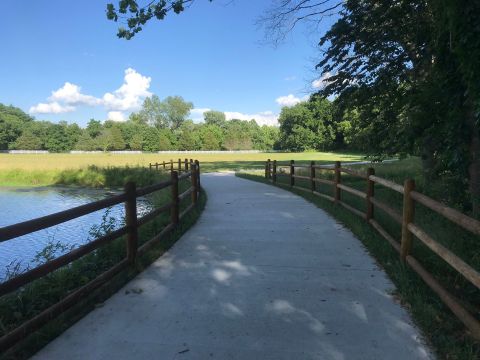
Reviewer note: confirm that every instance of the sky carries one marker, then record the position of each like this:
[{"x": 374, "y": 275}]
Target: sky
[{"x": 61, "y": 60}]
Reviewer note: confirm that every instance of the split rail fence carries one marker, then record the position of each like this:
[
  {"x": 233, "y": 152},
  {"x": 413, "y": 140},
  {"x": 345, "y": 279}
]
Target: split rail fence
[
  {"x": 406, "y": 219},
  {"x": 129, "y": 196}
]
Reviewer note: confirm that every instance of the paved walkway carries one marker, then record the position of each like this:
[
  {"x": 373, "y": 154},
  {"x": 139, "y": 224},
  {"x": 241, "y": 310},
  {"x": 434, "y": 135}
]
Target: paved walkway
[{"x": 263, "y": 275}]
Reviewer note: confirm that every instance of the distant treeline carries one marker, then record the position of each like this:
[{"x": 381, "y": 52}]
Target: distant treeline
[{"x": 164, "y": 125}]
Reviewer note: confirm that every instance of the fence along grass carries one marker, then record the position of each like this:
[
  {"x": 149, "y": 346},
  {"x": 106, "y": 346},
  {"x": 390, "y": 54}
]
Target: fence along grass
[
  {"x": 189, "y": 171},
  {"x": 406, "y": 220}
]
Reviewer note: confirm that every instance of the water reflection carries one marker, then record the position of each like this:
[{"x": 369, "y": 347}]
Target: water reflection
[{"x": 17, "y": 205}]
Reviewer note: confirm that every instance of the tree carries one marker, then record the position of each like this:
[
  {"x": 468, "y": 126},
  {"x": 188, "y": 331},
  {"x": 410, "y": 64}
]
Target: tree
[
  {"x": 140, "y": 15},
  {"x": 85, "y": 142},
  {"x": 176, "y": 110},
  {"x": 136, "y": 142},
  {"x": 94, "y": 128},
  {"x": 266, "y": 138},
  {"x": 105, "y": 140},
  {"x": 57, "y": 139},
  {"x": 213, "y": 117},
  {"x": 118, "y": 142},
  {"x": 411, "y": 69},
  {"x": 152, "y": 113},
  {"x": 171, "y": 112},
  {"x": 27, "y": 141},
  {"x": 211, "y": 137},
  {"x": 188, "y": 136},
  {"x": 306, "y": 126},
  {"x": 237, "y": 135},
  {"x": 12, "y": 121}
]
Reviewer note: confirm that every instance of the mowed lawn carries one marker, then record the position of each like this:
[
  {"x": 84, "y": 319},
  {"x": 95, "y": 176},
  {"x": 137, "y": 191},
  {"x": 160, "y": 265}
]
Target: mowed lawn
[{"x": 210, "y": 162}]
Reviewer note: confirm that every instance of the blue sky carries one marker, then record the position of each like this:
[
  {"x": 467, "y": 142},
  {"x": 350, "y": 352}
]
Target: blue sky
[{"x": 211, "y": 55}]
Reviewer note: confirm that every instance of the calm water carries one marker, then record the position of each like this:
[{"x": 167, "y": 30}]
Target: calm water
[{"x": 18, "y": 205}]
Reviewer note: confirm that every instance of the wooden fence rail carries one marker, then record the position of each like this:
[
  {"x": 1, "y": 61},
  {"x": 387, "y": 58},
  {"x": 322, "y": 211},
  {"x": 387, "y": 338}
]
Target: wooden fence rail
[
  {"x": 178, "y": 165},
  {"x": 129, "y": 197},
  {"x": 406, "y": 220}
]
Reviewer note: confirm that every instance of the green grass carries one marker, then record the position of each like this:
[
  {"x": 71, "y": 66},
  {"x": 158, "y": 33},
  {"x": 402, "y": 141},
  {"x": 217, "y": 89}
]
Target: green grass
[
  {"x": 92, "y": 176},
  {"x": 95, "y": 169},
  {"x": 17, "y": 307},
  {"x": 441, "y": 327}
]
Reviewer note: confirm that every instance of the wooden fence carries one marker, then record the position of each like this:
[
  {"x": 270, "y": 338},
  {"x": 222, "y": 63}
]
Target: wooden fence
[
  {"x": 132, "y": 224},
  {"x": 406, "y": 220},
  {"x": 180, "y": 165}
]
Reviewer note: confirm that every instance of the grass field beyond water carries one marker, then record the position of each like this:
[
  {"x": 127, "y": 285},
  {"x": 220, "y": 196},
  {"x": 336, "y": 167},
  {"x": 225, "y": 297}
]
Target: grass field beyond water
[{"x": 96, "y": 169}]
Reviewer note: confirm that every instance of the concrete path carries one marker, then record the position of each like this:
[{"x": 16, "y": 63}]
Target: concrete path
[{"x": 263, "y": 275}]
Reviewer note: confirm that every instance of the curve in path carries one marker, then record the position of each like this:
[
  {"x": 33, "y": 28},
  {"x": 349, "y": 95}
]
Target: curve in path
[{"x": 263, "y": 275}]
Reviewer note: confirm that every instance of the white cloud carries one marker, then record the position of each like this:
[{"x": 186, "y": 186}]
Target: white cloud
[
  {"x": 116, "y": 116},
  {"x": 262, "y": 118},
  {"x": 290, "y": 100},
  {"x": 197, "y": 113},
  {"x": 130, "y": 95},
  {"x": 70, "y": 94},
  {"x": 51, "y": 108},
  {"x": 322, "y": 81}
]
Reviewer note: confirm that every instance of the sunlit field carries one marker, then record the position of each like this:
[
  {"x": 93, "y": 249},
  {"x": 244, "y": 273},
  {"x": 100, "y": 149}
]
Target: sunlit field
[
  {"x": 216, "y": 161},
  {"x": 46, "y": 169}
]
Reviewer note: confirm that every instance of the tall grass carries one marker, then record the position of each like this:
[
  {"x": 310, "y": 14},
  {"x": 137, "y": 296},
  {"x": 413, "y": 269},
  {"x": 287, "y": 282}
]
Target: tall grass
[
  {"x": 442, "y": 328},
  {"x": 85, "y": 169},
  {"x": 91, "y": 176}
]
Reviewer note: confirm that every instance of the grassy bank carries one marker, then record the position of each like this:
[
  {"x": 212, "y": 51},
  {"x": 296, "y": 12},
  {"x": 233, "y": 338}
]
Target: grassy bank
[
  {"x": 442, "y": 328},
  {"x": 100, "y": 169},
  {"x": 91, "y": 176},
  {"x": 17, "y": 307}
]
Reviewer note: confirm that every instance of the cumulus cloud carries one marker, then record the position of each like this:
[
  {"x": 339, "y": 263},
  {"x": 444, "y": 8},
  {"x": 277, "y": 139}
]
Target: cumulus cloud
[
  {"x": 128, "y": 97},
  {"x": 116, "y": 116},
  {"x": 51, "y": 108},
  {"x": 321, "y": 82},
  {"x": 290, "y": 100},
  {"x": 262, "y": 118},
  {"x": 71, "y": 94}
]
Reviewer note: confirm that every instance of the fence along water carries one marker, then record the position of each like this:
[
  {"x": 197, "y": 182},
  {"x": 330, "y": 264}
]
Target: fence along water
[
  {"x": 187, "y": 170},
  {"x": 406, "y": 219}
]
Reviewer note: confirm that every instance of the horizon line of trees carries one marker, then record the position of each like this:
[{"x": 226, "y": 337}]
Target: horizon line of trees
[{"x": 164, "y": 125}]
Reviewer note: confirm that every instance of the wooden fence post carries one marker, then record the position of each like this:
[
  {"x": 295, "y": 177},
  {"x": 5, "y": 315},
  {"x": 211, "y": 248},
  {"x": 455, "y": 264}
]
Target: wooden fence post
[
  {"x": 131, "y": 221},
  {"x": 274, "y": 172},
  {"x": 337, "y": 180},
  {"x": 150, "y": 166},
  {"x": 370, "y": 193},
  {"x": 292, "y": 173},
  {"x": 171, "y": 164},
  {"x": 194, "y": 184},
  {"x": 164, "y": 164},
  {"x": 197, "y": 169},
  {"x": 267, "y": 169},
  {"x": 179, "y": 165},
  {"x": 408, "y": 215},
  {"x": 156, "y": 166},
  {"x": 174, "y": 213},
  {"x": 312, "y": 176},
  {"x": 186, "y": 164}
]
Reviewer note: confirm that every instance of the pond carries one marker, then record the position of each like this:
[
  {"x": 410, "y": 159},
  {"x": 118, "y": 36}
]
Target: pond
[{"x": 17, "y": 205}]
